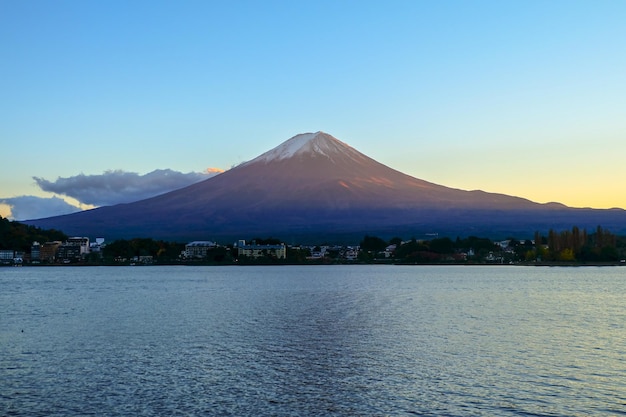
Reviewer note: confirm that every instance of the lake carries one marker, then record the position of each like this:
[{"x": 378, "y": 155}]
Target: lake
[{"x": 313, "y": 340}]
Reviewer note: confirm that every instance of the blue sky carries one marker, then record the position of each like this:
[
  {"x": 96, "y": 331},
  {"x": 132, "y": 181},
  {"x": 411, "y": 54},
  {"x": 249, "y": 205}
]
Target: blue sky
[{"x": 526, "y": 98}]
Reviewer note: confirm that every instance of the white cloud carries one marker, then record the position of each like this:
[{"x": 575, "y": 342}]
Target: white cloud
[
  {"x": 117, "y": 186},
  {"x": 109, "y": 188},
  {"x": 28, "y": 207}
]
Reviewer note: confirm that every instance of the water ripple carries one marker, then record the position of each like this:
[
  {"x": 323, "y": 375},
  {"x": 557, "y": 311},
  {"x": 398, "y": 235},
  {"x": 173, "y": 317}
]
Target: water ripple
[{"x": 293, "y": 341}]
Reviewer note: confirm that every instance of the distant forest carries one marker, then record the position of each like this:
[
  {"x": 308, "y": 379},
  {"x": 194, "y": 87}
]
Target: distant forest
[
  {"x": 568, "y": 246},
  {"x": 571, "y": 246}
]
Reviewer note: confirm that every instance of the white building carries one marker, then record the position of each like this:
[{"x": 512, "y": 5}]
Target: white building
[
  {"x": 82, "y": 242},
  {"x": 35, "y": 251},
  {"x": 199, "y": 248},
  {"x": 258, "y": 251},
  {"x": 7, "y": 256}
]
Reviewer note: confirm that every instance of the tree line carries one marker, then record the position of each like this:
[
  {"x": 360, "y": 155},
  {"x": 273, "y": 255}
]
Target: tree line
[
  {"x": 434, "y": 250},
  {"x": 577, "y": 245},
  {"x": 18, "y": 236},
  {"x": 573, "y": 246}
]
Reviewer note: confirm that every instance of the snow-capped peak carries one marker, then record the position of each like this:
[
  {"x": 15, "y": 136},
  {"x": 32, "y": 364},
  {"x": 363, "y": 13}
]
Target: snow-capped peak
[{"x": 318, "y": 143}]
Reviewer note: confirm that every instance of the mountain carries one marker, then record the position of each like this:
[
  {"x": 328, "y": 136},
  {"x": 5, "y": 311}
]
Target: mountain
[{"x": 313, "y": 187}]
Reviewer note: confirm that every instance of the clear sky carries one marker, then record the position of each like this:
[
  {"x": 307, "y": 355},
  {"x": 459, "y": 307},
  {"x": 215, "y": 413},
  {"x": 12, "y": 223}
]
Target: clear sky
[{"x": 526, "y": 98}]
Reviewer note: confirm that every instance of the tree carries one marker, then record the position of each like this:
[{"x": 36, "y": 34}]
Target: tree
[
  {"x": 567, "y": 255},
  {"x": 478, "y": 244},
  {"x": 577, "y": 245},
  {"x": 164, "y": 251},
  {"x": 298, "y": 255},
  {"x": 18, "y": 236},
  {"x": 218, "y": 254},
  {"x": 409, "y": 251},
  {"x": 372, "y": 244},
  {"x": 441, "y": 246}
]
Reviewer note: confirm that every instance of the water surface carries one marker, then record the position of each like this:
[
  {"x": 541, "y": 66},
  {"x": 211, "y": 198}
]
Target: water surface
[{"x": 313, "y": 340}]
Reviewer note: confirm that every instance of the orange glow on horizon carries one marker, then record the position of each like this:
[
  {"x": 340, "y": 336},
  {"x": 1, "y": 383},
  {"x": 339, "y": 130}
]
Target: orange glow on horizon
[{"x": 5, "y": 210}]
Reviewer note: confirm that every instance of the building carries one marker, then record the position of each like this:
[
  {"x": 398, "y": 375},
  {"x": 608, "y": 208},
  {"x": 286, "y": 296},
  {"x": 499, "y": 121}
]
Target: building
[
  {"x": 81, "y": 242},
  {"x": 6, "y": 256},
  {"x": 389, "y": 251},
  {"x": 73, "y": 249},
  {"x": 260, "y": 251},
  {"x": 198, "y": 249},
  {"x": 48, "y": 251},
  {"x": 351, "y": 254},
  {"x": 68, "y": 253},
  {"x": 97, "y": 246},
  {"x": 143, "y": 260},
  {"x": 35, "y": 252}
]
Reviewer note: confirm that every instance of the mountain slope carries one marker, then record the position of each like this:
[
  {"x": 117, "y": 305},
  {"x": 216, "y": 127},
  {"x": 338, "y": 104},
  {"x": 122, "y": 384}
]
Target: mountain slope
[
  {"x": 316, "y": 184},
  {"x": 317, "y": 170}
]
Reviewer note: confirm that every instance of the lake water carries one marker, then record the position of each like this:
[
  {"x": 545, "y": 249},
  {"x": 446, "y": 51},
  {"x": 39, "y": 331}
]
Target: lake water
[{"x": 313, "y": 340}]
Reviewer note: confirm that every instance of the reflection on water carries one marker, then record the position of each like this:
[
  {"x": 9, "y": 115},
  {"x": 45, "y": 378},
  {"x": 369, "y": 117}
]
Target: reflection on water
[{"x": 336, "y": 340}]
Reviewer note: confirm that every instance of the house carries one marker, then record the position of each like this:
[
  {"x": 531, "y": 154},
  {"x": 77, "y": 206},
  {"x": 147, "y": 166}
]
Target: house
[
  {"x": 198, "y": 249},
  {"x": 389, "y": 251},
  {"x": 351, "y": 254},
  {"x": 317, "y": 254},
  {"x": 260, "y": 251}
]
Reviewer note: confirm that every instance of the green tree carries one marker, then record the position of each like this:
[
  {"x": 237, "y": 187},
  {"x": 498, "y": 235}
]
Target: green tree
[
  {"x": 372, "y": 244},
  {"x": 441, "y": 246},
  {"x": 567, "y": 255},
  {"x": 219, "y": 254},
  {"x": 411, "y": 250},
  {"x": 18, "y": 236},
  {"x": 298, "y": 255},
  {"x": 160, "y": 250}
]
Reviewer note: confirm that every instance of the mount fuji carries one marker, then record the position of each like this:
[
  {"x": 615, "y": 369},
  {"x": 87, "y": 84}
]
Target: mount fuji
[{"x": 315, "y": 188}]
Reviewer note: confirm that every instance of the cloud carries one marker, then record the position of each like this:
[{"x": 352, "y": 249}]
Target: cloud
[
  {"x": 28, "y": 207},
  {"x": 117, "y": 186}
]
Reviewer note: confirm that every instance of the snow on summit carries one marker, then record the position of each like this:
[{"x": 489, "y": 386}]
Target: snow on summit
[{"x": 318, "y": 143}]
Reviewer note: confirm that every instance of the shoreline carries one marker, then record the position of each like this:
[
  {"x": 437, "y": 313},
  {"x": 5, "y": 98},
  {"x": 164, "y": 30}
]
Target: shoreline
[{"x": 234, "y": 264}]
